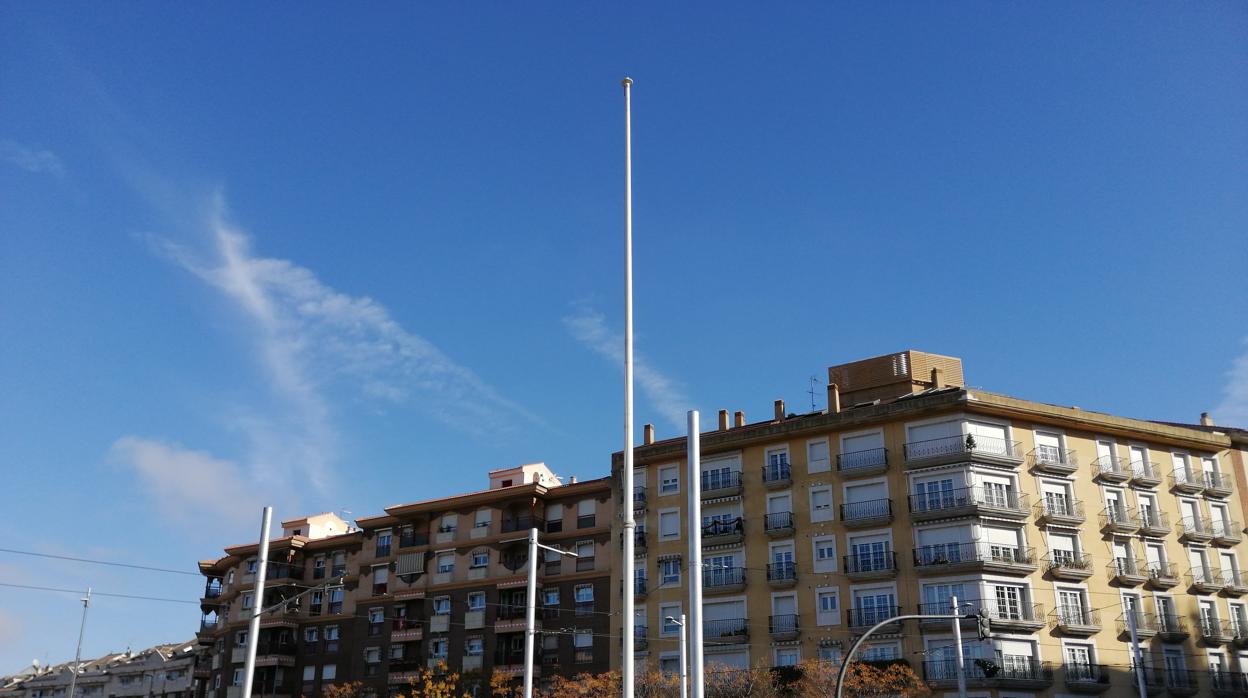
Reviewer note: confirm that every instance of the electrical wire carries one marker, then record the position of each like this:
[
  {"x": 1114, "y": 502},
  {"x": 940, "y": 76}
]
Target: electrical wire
[
  {"x": 97, "y": 593},
  {"x": 98, "y": 562}
]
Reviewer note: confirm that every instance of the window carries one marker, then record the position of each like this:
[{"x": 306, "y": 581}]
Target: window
[
  {"x": 583, "y": 639},
  {"x": 825, "y": 554},
  {"x": 585, "y": 514},
  {"x": 240, "y": 638},
  {"x": 827, "y": 606},
  {"x": 248, "y": 601},
  {"x": 483, "y": 518},
  {"x": 585, "y": 551},
  {"x": 787, "y": 656},
  {"x": 442, "y": 606},
  {"x": 372, "y": 655},
  {"x": 335, "y": 600},
  {"x": 309, "y": 673},
  {"x": 396, "y": 650},
  {"x": 584, "y": 593},
  {"x": 480, "y": 558},
  {"x": 669, "y": 571},
  {"x": 383, "y": 542},
  {"x": 331, "y": 639},
  {"x": 821, "y": 503},
  {"x": 251, "y": 566},
  {"x": 446, "y": 563},
  {"x": 329, "y": 672},
  {"x": 438, "y": 648},
  {"x": 669, "y": 479},
  {"x": 474, "y": 646},
  {"x": 879, "y": 653},
  {"x": 476, "y": 601},
  {"x": 831, "y": 655},
  {"x": 381, "y": 577},
  {"x": 817, "y": 459},
  {"x": 318, "y": 567},
  {"x": 376, "y": 615},
  {"x": 551, "y": 597},
  {"x": 669, "y": 611},
  {"x": 449, "y": 523},
  {"x": 669, "y": 523},
  {"x": 237, "y": 679},
  {"x": 554, "y": 518}
]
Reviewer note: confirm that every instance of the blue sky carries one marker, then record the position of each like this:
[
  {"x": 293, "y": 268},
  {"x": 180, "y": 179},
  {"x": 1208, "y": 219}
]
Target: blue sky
[{"x": 336, "y": 259}]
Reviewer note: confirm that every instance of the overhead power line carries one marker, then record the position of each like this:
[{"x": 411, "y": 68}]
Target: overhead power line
[
  {"x": 96, "y": 593},
  {"x": 98, "y": 562}
]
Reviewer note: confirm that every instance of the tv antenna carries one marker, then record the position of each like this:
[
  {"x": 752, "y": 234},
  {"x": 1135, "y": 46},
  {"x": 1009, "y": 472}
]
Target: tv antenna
[{"x": 814, "y": 380}]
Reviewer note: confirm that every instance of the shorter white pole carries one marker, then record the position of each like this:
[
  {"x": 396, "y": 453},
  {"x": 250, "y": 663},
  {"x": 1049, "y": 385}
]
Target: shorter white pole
[
  {"x": 530, "y": 615},
  {"x": 684, "y": 658},
  {"x": 73, "y": 680},
  {"x": 1135, "y": 650},
  {"x": 257, "y": 605},
  {"x": 957, "y": 643}
]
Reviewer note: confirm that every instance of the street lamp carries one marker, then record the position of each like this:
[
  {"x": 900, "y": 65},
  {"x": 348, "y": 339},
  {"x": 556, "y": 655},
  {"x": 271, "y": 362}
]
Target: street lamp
[{"x": 684, "y": 662}]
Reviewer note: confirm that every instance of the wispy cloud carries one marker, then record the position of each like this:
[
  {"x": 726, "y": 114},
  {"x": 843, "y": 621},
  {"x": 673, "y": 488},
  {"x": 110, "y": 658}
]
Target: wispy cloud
[
  {"x": 188, "y": 486},
  {"x": 1233, "y": 411},
  {"x": 34, "y": 160},
  {"x": 589, "y": 327}
]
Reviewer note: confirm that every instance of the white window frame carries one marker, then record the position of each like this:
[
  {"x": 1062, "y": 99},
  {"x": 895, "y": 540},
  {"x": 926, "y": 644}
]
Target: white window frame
[
  {"x": 825, "y": 514},
  {"x": 669, "y": 512}
]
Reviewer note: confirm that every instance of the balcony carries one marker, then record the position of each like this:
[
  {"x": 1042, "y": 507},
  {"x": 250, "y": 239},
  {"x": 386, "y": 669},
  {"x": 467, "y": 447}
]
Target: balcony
[
  {"x": 1195, "y": 529},
  {"x": 941, "y": 625},
  {"x": 640, "y": 588},
  {"x": 863, "y": 618},
  {"x": 783, "y": 627},
  {"x": 1171, "y": 628},
  {"x": 1162, "y": 575},
  {"x": 1204, "y": 581},
  {"x": 779, "y": 524},
  {"x": 639, "y": 496},
  {"x": 1056, "y": 461},
  {"x": 1013, "y": 617},
  {"x": 1004, "y": 671},
  {"x": 413, "y": 539},
  {"x": 639, "y": 539},
  {"x": 986, "y": 557},
  {"x": 282, "y": 572},
  {"x": 1154, "y": 523},
  {"x": 1086, "y": 678},
  {"x": 1188, "y": 481},
  {"x": 968, "y": 501},
  {"x": 871, "y": 565},
  {"x": 777, "y": 475},
  {"x": 1154, "y": 684},
  {"x": 1145, "y": 625},
  {"x": 1226, "y": 532},
  {"x": 718, "y": 580},
  {"x": 1119, "y": 519},
  {"x": 962, "y": 447},
  {"x": 522, "y": 523},
  {"x": 1111, "y": 469},
  {"x": 1060, "y": 511},
  {"x": 1234, "y": 583},
  {"x": 726, "y": 630},
  {"x": 1127, "y": 572},
  {"x": 721, "y": 483},
  {"x": 723, "y": 531},
  {"x": 406, "y": 630},
  {"x": 858, "y": 463},
  {"x": 1145, "y": 473},
  {"x": 1079, "y": 622},
  {"x": 1227, "y": 683},
  {"x": 1216, "y": 632},
  {"x": 781, "y": 575},
  {"x": 1239, "y": 628},
  {"x": 1181, "y": 683},
  {"x": 874, "y": 512},
  {"x": 1068, "y": 566},
  {"x": 641, "y": 639},
  {"x": 1217, "y": 484}
]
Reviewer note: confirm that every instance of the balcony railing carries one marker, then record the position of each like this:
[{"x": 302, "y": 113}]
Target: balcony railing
[
  {"x": 212, "y": 591},
  {"x": 943, "y": 554},
  {"x": 1005, "y": 669},
  {"x": 1010, "y": 613},
  {"x": 1228, "y": 532},
  {"x": 723, "y": 528},
  {"x": 1146, "y": 624},
  {"x": 962, "y": 444},
  {"x": 523, "y": 523},
  {"x": 781, "y": 572},
  {"x": 867, "y": 617},
  {"x": 1217, "y": 483},
  {"x": 1054, "y": 459},
  {"x": 1146, "y": 473},
  {"x": 1223, "y": 682},
  {"x": 720, "y": 577},
  {"x": 953, "y": 501},
  {"x": 641, "y": 637},
  {"x": 782, "y": 625},
  {"x": 1080, "y": 675},
  {"x": 1060, "y": 509},
  {"x": 1067, "y": 565},
  {"x": 726, "y": 629},
  {"x": 1072, "y": 619},
  {"x": 870, "y": 511},
  {"x": 777, "y": 473},
  {"x": 1172, "y": 625},
  {"x": 1187, "y": 480},
  {"x": 858, "y": 461},
  {"x": 1154, "y": 522},
  {"x": 640, "y": 586},
  {"x": 870, "y": 563},
  {"x": 1119, "y": 518},
  {"x": 780, "y": 521},
  {"x": 411, "y": 540},
  {"x": 279, "y": 570},
  {"x": 1111, "y": 469},
  {"x": 715, "y": 481},
  {"x": 1197, "y": 528},
  {"x": 1127, "y": 570},
  {"x": 1216, "y": 631},
  {"x": 639, "y": 495},
  {"x": 1234, "y": 583},
  {"x": 1162, "y": 574}
]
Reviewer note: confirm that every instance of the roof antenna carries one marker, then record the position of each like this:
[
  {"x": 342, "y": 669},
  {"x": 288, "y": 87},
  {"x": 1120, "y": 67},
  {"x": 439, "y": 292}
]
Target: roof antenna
[{"x": 814, "y": 380}]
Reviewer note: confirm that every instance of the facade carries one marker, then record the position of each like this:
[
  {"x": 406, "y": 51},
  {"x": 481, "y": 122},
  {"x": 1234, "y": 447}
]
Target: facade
[
  {"x": 422, "y": 585},
  {"x": 1058, "y": 524},
  {"x": 167, "y": 671}
]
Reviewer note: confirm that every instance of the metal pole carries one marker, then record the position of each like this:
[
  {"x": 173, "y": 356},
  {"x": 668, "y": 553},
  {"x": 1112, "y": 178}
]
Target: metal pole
[
  {"x": 257, "y": 605},
  {"x": 1135, "y": 650},
  {"x": 697, "y": 686},
  {"x": 840, "y": 676},
  {"x": 73, "y": 680},
  {"x": 957, "y": 644},
  {"x": 684, "y": 658},
  {"x": 630, "y": 524},
  {"x": 530, "y": 615}
]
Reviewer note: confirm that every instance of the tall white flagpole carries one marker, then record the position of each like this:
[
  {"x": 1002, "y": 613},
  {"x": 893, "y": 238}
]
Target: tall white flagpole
[
  {"x": 253, "y": 626},
  {"x": 697, "y": 664},
  {"x": 630, "y": 524}
]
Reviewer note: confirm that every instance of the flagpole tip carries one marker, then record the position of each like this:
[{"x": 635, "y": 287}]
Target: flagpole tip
[{"x": 626, "y": 82}]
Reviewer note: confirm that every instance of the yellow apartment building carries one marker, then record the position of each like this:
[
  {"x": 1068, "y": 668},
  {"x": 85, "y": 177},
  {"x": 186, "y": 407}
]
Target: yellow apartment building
[{"x": 1058, "y": 524}]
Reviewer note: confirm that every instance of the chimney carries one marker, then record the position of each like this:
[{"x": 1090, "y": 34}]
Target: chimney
[
  {"x": 723, "y": 420},
  {"x": 834, "y": 398},
  {"x": 572, "y": 480},
  {"x": 779, "y": 410},
  {"x": 738, "y": 419},
  {"x": 1206, "y": 420},
  {"x": 647, "y": 435},
  {"x": 938, "y": 380}
]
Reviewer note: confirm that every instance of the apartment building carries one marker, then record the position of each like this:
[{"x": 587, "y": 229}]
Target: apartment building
[
  {"x": 166, "y": 670},
  {"x": 1060, "y": 525},
  {"x": 423, "y": 584}
]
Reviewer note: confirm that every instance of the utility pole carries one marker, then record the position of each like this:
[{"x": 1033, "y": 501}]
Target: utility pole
[
  {"x": 684, "y": 655},
  {"x": 630, "y": 524},
  {"x": 257, "y": 604},
  {"x": 530, "y": 608},
  {"x": 957, "y": 643},
  {"x": 697, "y": 686},
  {"x": 73, "y": 680},
  {"x": 840, "y": 676}
]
